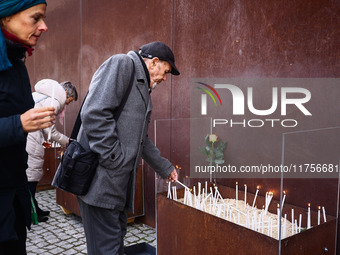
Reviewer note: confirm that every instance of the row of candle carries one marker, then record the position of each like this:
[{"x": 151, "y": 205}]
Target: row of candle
[
  {"x": 199, "y": 202},
  {"x": 268, "y": 198}
]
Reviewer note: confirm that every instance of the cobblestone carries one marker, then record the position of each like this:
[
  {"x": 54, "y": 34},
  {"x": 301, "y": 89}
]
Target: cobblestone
[{"x": 64, "y": 234}]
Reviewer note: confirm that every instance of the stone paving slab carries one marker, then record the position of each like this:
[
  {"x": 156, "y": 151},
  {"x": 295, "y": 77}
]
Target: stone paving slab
[{"x": 64, "y": 234}]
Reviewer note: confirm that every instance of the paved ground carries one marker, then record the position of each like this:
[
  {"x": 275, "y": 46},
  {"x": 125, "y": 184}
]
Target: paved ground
[{"x": 63, "y": 234}]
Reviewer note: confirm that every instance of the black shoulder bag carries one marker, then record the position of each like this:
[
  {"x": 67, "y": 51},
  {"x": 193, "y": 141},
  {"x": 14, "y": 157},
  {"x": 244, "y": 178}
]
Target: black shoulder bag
[{"x": 78, "y": 165}]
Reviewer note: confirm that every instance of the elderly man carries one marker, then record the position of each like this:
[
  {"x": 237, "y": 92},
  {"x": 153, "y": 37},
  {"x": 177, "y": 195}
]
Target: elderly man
[{"x": 120, "y": 142}]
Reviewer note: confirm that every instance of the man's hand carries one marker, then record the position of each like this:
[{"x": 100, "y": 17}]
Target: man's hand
[
  {"x": 173, "y": 176},
  {"x": 37, "y": 118}
]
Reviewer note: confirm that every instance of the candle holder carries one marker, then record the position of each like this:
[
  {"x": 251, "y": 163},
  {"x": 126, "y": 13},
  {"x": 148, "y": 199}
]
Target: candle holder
[{"x": 198, "y": 232}]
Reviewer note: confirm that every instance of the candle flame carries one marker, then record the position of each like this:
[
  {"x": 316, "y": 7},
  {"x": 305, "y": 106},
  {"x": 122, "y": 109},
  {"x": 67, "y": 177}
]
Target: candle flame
[
  {"x": 308, "y": 204},
  {"x": 258, "y": 187},
  {"x": 236, "y": 183},
  {"x": 278, "y": 205},
  {"x": 284, "y": 192},
  {"x": 319, "y": 207}
]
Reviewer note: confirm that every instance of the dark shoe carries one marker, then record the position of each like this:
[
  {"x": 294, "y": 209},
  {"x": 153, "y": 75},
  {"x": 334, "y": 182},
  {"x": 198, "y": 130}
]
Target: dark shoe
[
  {"x": 42, "y": 218},
  {"x": 42, "y": 213}
]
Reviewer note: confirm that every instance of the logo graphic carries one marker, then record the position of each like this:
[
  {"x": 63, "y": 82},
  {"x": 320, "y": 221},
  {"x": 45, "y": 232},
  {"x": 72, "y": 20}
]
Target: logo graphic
[{"x": 204, "y": 97}]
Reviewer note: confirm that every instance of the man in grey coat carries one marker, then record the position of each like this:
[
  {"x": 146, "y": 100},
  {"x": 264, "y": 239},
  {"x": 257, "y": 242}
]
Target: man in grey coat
[{"x": 120, "y": 144}]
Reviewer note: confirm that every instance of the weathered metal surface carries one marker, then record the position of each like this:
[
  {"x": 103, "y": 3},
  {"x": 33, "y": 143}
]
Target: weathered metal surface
[{"x": 184, "y": 230}]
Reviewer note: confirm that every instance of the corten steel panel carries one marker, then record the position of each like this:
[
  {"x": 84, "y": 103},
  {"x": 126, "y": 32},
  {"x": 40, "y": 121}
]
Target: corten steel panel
[
  {"x": 113, "y": 27},
  {"x": 218, "y": 39},
  {"x": 56, "y": 55},
  {"x": 185, "y": 230}
]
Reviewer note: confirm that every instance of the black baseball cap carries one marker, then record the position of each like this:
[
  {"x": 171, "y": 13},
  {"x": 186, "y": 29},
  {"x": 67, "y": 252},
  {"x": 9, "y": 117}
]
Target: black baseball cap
[{"x": 161, "y": 51}]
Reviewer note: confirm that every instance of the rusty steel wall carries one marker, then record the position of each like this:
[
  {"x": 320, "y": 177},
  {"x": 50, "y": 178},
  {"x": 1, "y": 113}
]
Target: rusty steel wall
[{"x": 210, "y": 39}]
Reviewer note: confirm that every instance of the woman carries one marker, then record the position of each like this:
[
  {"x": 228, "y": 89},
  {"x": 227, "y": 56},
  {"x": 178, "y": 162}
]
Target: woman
[
  {"x": 63, "y": 94},
  {"x": 22, "y": 23}
]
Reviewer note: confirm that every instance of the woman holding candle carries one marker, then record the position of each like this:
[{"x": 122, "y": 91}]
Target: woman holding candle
[
  {"x": 47, "y": 93},
  {"x": 22, "y": 23}
]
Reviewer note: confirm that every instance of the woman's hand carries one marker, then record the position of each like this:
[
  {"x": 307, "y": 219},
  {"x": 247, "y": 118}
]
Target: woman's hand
[{"x": 37, "y": 118}]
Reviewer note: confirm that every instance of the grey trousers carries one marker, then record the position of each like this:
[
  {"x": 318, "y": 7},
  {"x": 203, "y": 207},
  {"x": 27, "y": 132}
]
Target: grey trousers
[{"x": 104, "y": 229}]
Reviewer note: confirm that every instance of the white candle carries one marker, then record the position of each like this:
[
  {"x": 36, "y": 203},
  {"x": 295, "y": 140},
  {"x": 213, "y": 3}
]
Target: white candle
[
  {"x": 206, "y": 188},
  {"x": 195, "y": 202},
  {"x": 278, "y": 221},
  {"x": 182, "y": 184},
  {"x": 245, "y": 195},
  {"x": 257, "y": 191},
  {"x": 300, "y": 220},
  {"x": 285, "y": 227},
  {"x": 199, "y": 191},
  {"x": 236, "y": 194},
  {"x": 185, "y": 197},
  {"x": 283, "y": 199},
  {"x": 308, "y": 218},
  {"x": 318, "y": 215},
  {"x": 189, "y": 198},
  {"x": 169, "y": 191},
  {"x": 292, "y": 221},
  {"x": 324, "y": 214},
  {"x": 270, "y": 196},
  {"x": 262, "y": 221},
  {"x": 268, "y": 232}
]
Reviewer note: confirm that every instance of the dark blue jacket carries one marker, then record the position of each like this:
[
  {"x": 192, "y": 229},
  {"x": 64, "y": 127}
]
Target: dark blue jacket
[{"x": 15, "y": 99}]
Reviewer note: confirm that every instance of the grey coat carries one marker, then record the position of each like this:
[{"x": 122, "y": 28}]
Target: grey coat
[{"x": 120, "y": 144}]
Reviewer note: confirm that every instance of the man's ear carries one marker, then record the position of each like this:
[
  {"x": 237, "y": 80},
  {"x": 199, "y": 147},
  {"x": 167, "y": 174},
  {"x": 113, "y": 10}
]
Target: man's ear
[{"x": 154, "y": 61}]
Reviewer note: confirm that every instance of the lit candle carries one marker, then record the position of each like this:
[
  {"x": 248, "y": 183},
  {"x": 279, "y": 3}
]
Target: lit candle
[
  {"x": 283, "y": 199},
  {"x": 190, "y": 198},
  {"x": 236, "y": 194},
  {"x": 206, "y": 188},
  {"x": 308, "y": 218},
  {"x": 257, "y": 191},
  {"x": 270, "y": 196},
  {"x": 319, "y": 215},
  {"x": 245, "y": 195},
  {"x": 324, "y": 214}
]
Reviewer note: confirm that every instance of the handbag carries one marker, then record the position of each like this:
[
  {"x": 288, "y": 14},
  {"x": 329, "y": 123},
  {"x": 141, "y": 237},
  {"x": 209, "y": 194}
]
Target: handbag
[{"x": 78, "y": 165}]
